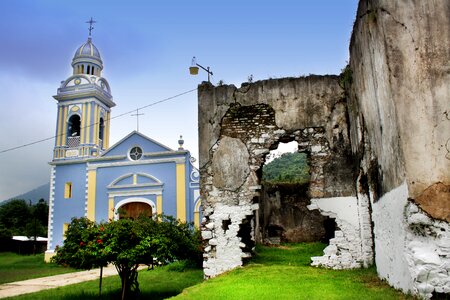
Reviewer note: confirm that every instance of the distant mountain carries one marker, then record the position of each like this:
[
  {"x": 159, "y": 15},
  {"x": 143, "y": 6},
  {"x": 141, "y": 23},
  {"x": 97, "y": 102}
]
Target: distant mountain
[{"x": 41, "y": 192}]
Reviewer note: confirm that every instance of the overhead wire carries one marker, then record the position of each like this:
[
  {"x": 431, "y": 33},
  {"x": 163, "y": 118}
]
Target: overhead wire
[{"x": 96, "y": 123}]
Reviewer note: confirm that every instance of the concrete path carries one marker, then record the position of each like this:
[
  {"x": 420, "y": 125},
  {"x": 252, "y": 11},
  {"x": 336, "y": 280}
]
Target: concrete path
[{"x": 50, "y": 282}]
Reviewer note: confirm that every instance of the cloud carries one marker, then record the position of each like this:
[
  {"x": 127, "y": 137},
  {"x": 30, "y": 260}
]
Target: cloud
[{"x": 27, "y": 113}]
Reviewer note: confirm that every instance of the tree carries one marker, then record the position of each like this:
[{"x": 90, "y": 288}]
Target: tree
[
  {"x": 288, "y": 168},
  {"x": 18, "y": 218},
  {"x": 126, "y": 243},
  {"x": 40, "y": 212},
  {"x": 14, "y": 216},
  {"x": 38, "y": 220}
]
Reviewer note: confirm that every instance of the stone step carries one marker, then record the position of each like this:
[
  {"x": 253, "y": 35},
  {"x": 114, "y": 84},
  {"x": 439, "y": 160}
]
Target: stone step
[{"x": 276, "y": 240}]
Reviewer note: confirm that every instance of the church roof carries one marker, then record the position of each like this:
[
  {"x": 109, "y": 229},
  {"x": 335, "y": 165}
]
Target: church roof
[
  {"x": 87, "y": 52},
  {"x": 150, "y": 145}
]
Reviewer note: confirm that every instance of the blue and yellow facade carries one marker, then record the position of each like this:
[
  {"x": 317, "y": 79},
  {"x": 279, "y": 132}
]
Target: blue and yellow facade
[{"x": 90, "y": 179}]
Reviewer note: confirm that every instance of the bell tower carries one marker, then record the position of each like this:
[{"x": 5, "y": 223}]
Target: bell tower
[{"x": 84, "y": 107}]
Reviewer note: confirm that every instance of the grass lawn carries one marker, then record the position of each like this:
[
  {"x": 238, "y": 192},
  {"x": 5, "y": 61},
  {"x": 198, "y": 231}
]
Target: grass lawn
[
  {"x": 274, "y": 273},
  {"x": 284, "y": 273},
  {"x": 160, "y": 283},
  {"x": 15, "y": 267}
]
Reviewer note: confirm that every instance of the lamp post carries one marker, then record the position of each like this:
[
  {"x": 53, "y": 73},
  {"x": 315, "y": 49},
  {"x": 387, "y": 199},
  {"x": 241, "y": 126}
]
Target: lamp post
[{"x": 193, "y": 69}]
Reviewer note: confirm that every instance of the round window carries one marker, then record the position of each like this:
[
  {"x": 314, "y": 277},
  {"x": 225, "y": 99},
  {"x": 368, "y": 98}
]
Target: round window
[{"x": 135, "y": 153}]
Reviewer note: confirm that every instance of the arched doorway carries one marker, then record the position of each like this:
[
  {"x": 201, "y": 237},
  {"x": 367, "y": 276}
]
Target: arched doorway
[{"x": 135, "y": 209}]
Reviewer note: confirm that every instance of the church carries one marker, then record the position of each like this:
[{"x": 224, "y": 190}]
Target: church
[{"x": 137, "y": 175}]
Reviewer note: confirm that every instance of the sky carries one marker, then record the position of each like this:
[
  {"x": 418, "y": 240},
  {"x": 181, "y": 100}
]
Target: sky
[{"x": 146, "y": 48}]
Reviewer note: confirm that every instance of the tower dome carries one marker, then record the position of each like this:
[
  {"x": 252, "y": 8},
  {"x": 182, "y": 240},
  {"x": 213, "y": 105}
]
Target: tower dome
[{"x": 87, "y": 60}]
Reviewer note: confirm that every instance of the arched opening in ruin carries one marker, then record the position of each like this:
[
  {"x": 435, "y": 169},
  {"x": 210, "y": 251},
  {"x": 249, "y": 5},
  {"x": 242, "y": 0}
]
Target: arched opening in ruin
[{"x": 284, "y": 198}]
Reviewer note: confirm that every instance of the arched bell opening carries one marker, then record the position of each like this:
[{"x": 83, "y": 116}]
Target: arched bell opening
[
  {"x": 73, "y": 131},
  {"x": 101, "y": 132}
]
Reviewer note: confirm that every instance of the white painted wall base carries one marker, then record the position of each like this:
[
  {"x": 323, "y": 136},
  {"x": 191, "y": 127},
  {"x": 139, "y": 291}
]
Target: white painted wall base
[
  {"x": 412, "y": 251},
  {"x": 224, "y": 247},
  {"x": 351, "y": 246},
  {"x": 390, "y": 231},
  {"x": 48, "y": 255}
]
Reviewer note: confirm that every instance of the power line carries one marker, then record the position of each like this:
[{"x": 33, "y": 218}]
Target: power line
[{"x": 94, "y": 124}]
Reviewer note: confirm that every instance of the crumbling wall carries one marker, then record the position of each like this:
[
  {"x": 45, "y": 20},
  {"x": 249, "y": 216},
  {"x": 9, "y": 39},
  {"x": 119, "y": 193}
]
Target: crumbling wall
[
  {"x": 400, "y": 130},
  {"x": 238, "y": 128},
  {"x": 351, "y": 246},
  {"x": 395, "y": 117}
]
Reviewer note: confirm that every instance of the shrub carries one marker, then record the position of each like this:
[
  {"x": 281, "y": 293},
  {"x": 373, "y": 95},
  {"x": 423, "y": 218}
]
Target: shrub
[{"x": 126, "y": 243}]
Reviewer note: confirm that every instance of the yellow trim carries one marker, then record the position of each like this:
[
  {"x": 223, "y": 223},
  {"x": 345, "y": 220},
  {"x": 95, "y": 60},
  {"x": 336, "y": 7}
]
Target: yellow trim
[
  {"x": 59, "y": 137},
  {"x": 65, "y": 227},
  {"x": 64, "y": 133},
  {"x": 48, "y": 256},
  {"x": 106, "y": 131},
  {"x": 181, "y": 191},
  {"x": 88, "y": 124},
  {"x": 83, "y": 125},
  {"x": 197, "y": 219},
  {"x": 197, "y": 214},
  {"x": 92, "y": 183},
  {"x": 95, "y": 124},
  {"x": 159, "y": 209},
  {"x": 111, "y": 209}
]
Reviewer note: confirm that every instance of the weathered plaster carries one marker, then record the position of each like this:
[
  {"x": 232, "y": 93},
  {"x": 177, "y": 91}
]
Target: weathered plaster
[
  {"x": 400, "y": 58},
  {"x": 229, "y": 164},
  {"x": 399, "y": 128}
]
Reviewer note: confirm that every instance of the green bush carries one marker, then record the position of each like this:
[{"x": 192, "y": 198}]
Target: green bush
[{"x": 126, "y": 243}]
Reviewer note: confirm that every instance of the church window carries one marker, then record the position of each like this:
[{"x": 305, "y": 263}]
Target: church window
[
  {"x": 82, "y": 68},
  {"x": 68, "y": 190},
  {"x": 135, "y": 153},
  {"x": 88, "y": 69}
]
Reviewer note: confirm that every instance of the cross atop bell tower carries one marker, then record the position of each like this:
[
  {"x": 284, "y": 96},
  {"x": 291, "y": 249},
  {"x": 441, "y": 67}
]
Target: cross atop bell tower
[{"x": 91, "y": 27}]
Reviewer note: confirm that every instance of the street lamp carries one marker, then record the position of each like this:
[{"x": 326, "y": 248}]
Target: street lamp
[{"x": 193, "y": 69}]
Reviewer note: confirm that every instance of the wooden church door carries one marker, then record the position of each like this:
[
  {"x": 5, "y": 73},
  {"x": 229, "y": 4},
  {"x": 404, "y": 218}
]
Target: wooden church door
[{"x": 134, "y": 209}]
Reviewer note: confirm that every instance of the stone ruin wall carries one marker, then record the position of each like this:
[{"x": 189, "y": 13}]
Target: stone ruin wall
[
  {"x": 238, "y": 128},
  {"x": 393, "y": 186},
  {"x": 400, "y": 130}
]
